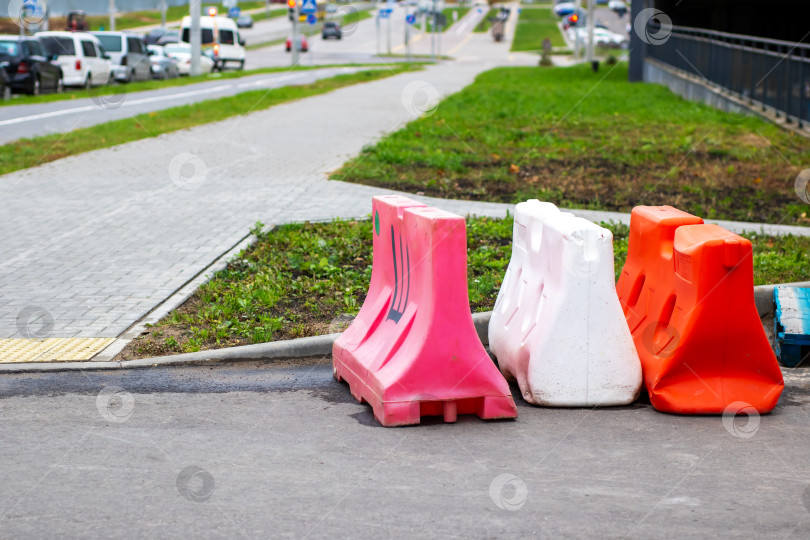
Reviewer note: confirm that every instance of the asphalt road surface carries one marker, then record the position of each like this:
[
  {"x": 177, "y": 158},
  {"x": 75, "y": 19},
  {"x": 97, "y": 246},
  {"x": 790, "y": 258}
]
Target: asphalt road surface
[
  {"x": 261, "y": 450},
  {"x": 18, "y": 121},
  {"x": 613, "y": 22}
]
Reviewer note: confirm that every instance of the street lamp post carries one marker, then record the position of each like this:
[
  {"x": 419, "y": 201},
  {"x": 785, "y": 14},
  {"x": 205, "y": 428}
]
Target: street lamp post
[{"x": 196, "y": 37}]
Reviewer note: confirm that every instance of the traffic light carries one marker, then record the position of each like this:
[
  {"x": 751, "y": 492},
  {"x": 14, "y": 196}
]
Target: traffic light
[{"x": 291, "y": 10}]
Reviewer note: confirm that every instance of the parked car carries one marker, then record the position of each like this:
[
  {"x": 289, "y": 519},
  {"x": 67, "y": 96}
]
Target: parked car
[
  {"x": 80, "y": 55},
  {"x": 301, "y": 45},
  {"x": 601, "y": 36},
  {"x": 564, "y": 8},
  {"x": 331, "y": 29},
  {"x": 28, "y": 66},
  {"x": 244, "y": 21},
  {"x": 578, "y": 18},
  {"x": 128, "y": 54},
  {"x": 5, "y": 82},
  {"x": 171, "y": 36},
  {"x": 163, "y": 65},
  {"x": 181, "y": 53},
  {"x": 617, "y": 6},
  {"x": 154, "y": 35},
  {"x": 221, "y": 36},
  {"x": 77, "y": 21}
]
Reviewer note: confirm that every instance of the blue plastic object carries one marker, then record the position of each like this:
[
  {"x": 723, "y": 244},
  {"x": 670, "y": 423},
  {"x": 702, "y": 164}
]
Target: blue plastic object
[{"x": 791, "y": 325}]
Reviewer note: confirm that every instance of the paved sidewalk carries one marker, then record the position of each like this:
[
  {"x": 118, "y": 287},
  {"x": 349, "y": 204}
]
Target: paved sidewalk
[{"x": 93, "y": 242}]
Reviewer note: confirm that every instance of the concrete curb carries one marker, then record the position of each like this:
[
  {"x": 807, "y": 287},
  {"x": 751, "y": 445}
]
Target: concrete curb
[
  {"x": 763, "y": 296},
  {"x": 293, "y": 348}
]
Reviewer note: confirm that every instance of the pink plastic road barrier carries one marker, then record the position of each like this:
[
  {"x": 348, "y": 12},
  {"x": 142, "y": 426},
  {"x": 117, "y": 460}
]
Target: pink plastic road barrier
[{"x": 412, "y": 351}]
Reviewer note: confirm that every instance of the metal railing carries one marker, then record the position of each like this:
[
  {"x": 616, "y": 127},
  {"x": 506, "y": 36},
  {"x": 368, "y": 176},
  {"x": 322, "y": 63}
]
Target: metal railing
[{"x": 766, "y": 73}]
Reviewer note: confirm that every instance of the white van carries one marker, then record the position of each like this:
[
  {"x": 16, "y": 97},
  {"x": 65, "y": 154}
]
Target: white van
[
  {"x": 83, "y": 60},
  {"x": 220, "y": 39}
]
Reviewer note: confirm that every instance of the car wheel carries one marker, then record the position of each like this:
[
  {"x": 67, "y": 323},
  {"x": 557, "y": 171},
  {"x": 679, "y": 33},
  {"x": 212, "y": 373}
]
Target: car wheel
[
  {"x": 36, "y": 88},
  {"x": 241, "y": 65}
]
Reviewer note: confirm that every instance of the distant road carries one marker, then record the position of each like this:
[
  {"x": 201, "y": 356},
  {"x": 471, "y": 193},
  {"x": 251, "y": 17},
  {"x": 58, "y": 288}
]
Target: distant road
[{"x": 18, "y": 121}]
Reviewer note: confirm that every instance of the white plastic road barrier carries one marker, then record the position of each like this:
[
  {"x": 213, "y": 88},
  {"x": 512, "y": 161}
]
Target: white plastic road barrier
[{"x": 557, "y": 327}]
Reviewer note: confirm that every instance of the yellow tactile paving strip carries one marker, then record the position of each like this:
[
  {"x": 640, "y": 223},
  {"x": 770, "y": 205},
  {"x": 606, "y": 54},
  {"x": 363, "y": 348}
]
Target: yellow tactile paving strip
[{"x": 51, "y": 349}]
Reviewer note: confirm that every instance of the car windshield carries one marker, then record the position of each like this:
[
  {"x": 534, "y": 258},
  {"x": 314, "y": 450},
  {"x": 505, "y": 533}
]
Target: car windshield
[
  {"x": 9, "y": 48},
  {"x": 110, "y": 43},
  {"x": 329, "y": 25},
  {"x": 60, "y": 46}
]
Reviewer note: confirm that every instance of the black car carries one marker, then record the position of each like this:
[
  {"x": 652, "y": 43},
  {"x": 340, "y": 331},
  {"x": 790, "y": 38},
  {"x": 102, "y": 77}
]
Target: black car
[
  {"x": 331, "y": 29},
  {"x": 154, "y": 35},
  {"x": 29, "y": 68},
  {"x": 5, "y": 87}
]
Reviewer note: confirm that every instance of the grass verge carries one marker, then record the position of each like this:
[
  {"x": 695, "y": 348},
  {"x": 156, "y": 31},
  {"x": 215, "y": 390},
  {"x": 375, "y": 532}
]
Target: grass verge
[
  {"x": 534, "y": 25},
  {"x": 30, "y": 152},
  {"x": 484, "y": 25},
  {"x": 117, "y": 89},
  {"x": 591, "y": 140},
  {"x": 310, "y": 279}
]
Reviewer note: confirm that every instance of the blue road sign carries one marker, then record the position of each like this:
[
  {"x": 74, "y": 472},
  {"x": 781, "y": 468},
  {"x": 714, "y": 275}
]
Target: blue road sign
[
  {"x": 234, "y": 12},
  {"x": 309, "y": 6},
  {"x": 385, "y": 13},
  {"x": 410, "y": 19},
  {"x": 311, "y": 18}
]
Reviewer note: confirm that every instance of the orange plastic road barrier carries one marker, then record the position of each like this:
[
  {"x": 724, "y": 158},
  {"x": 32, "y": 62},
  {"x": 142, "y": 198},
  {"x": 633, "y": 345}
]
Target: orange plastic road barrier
[
  {"x": 412, "y": 351},
  {"x": 687, "y": 293}
]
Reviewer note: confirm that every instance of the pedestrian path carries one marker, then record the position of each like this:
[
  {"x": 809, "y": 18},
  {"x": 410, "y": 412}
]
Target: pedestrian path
[{"x": 92, "y": 243}]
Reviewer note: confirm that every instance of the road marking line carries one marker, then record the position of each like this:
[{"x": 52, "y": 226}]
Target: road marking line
[
  {"x": 46, "y": 115},
  {"x": 455, "y": 49},
  {"x": 402, "y": 45},
  {"x": 88, "y": 108}
]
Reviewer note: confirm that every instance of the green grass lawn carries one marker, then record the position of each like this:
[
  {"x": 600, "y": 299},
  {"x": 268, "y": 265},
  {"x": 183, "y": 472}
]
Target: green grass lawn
[
  {"x": 485, "y": 25},
  {"x": 534, "y": 25},
  {"x": 310, "y": 279},
  {"x": 591, "y": 140},
  {"x": 26, "y": 153}
]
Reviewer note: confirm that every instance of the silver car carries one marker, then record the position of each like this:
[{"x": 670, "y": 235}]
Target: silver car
[
  {"x": 163, "y": 65},
  {"x": 128, "y": 54}
]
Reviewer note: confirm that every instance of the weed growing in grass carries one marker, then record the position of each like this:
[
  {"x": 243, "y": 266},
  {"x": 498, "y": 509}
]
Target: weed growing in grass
[{"x": 310, "y": 279}]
